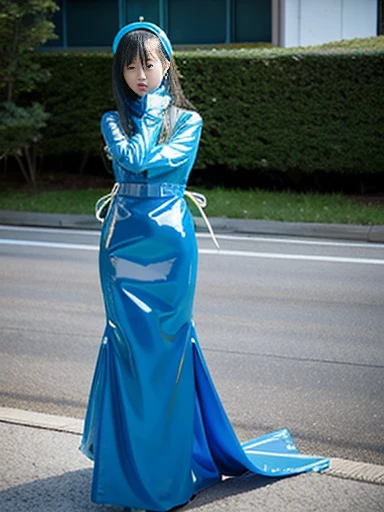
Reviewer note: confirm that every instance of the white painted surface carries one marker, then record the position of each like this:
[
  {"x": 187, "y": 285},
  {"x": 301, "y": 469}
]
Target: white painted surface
[
  {"x": 359, "y": 18},
  {"x": 320, "y": 22},
  {"x": 312, "y": 22},
  {"x": 291, "y": 22}
]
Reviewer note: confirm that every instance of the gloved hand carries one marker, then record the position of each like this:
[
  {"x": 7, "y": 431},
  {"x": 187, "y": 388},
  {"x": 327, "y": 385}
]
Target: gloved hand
[
  {"x": 152, "y": 105},
  {"x": 156, "y": 102}
]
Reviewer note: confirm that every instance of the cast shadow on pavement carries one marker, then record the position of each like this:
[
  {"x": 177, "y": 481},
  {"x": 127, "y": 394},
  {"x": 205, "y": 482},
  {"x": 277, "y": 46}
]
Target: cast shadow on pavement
[
  {"x": 230, "y": 487},
  {"x": 70, "y": 492}
]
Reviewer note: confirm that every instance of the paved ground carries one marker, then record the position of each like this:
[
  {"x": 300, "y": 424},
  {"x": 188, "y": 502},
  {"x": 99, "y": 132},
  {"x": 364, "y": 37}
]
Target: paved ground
[
  {"x": 42, "y": 470},
  {"x": 291, "y": 330}
]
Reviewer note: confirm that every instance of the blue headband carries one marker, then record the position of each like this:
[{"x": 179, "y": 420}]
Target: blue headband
[{"x": 144, "y": 25}]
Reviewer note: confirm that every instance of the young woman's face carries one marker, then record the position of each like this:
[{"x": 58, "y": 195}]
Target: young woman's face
[{"x": 145, "y": 78}]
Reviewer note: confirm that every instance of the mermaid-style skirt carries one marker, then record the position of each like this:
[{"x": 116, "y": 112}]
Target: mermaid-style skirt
[{"x": 155, "y": 426}]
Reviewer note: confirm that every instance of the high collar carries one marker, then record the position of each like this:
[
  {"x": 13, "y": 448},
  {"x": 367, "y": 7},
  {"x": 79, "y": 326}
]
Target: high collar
[{"x": 158, "y": 99}]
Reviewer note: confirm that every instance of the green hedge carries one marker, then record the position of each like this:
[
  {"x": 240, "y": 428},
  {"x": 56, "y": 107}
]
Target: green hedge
[{"x": 285, "y": 110}]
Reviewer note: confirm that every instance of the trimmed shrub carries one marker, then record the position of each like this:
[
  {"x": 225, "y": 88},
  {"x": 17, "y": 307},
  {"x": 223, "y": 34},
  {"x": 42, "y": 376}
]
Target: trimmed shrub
[
  {"x": 77, "y": 95},
  {"x": 280, "y": 110}
]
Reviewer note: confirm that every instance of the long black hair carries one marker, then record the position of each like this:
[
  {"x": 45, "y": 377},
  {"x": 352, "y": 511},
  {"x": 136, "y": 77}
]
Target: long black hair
[{"x": 129, "y": 46}]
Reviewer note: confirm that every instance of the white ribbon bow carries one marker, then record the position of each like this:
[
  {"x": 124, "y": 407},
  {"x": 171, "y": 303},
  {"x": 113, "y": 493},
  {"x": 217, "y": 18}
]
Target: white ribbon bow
[{"x": 200, "y": 201}]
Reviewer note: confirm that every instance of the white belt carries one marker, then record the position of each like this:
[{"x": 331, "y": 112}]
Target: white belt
[{"x": 199, "y": 200}]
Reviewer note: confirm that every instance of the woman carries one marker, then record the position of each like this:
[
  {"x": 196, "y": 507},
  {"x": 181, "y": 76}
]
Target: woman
[{"x": 155, "y": 426}]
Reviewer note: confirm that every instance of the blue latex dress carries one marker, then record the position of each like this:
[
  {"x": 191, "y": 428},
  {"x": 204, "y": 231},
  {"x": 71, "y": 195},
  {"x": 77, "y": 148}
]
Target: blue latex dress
[{"x": 155, "y": 426}]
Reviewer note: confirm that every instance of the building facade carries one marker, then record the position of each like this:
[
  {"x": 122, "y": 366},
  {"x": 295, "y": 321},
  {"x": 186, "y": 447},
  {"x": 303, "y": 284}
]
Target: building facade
[
  {"x": 93, "y": 23},
  {"x": 313, "y": 22}
]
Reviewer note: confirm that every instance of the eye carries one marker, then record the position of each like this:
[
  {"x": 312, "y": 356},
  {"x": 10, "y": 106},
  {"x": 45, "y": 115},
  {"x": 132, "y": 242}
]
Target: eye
[
  {"x": 149, "y": 65},
  {"x": 130, "y": 67}
]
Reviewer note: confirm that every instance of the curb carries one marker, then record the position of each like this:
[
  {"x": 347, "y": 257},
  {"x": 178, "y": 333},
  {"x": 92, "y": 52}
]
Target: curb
[
  {"x": 342, "y": 468},
  {"x": 374, "y": 234},
  {"x": 353, "y": 470},
  {"x": 51, "y": 220},
  {"x": 41, "y": 420}
]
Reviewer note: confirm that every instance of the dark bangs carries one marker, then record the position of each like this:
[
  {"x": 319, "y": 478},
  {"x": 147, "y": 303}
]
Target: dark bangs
[{"x": 135, "y": 43}]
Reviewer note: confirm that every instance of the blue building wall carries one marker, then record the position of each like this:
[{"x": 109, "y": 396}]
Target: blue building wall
[{"x": 90, "y": 23}]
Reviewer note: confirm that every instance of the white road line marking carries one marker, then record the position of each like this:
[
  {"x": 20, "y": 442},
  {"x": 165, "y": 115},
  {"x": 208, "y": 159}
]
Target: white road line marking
[
  {"x": 222, "y": 252},
  {"x": 353, "y": 470},
  {"x": 305, "y": 257},
  {"x": 250, "y": 238}
]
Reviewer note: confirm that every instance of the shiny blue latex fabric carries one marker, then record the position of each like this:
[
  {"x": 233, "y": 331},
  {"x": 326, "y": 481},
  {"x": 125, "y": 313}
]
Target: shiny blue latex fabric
[{"x": 155, "y": 426}]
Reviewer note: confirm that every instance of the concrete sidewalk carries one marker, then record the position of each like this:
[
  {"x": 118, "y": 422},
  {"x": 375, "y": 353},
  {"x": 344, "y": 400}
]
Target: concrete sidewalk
[
  {"x": 220, "y": 225},
  {"x": 42, "y": 470}
]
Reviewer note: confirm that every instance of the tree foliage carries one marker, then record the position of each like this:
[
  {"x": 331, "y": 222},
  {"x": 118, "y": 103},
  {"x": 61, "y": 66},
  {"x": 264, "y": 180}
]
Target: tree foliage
[{"x": 24, "y": 25}]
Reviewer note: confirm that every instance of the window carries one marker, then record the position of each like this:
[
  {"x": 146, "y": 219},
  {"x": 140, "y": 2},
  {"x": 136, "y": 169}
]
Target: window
[
  {"x": 136, "y": 8},
  {"x": 196, "y": 21},
  {"x": 91, "y": 22},
  {"x": 253, "y": 21}
]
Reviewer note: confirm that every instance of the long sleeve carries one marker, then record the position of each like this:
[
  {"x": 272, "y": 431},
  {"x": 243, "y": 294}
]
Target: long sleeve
[
  {"x": 181, "y": 149},
  {"x": 141, "y": 152},
  {"x": 130, "y": 152}
]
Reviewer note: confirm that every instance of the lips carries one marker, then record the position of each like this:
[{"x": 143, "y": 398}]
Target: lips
[{"x": 141, "y": 86}]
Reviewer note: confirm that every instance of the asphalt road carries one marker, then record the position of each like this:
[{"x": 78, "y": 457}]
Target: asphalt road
[{"x": 292, "y": 331}]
